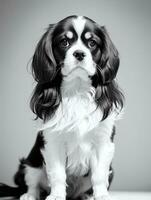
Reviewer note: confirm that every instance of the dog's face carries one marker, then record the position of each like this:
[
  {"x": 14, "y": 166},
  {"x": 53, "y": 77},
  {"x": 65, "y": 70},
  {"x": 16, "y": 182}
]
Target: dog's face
[
  {"x": 72, "y": 45},
  {"x": 75, "y": 47}
]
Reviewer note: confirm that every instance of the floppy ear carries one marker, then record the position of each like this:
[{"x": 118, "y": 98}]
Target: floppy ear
[
  {"x": 46, "y": 96},
  {"x": 108, "y": 94},
  {"x": 43, "y": 63},
  {"x": 109, "y": 62}
]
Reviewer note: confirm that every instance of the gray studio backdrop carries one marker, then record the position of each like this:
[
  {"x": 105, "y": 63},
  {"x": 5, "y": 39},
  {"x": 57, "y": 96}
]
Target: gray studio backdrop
[{"x": 129, "y": 24}]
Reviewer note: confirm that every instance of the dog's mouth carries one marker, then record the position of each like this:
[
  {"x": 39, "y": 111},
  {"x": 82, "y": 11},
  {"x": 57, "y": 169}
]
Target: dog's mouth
[
  {"x": 77, "y": 69},
  {"x": 78, "y": 72}
]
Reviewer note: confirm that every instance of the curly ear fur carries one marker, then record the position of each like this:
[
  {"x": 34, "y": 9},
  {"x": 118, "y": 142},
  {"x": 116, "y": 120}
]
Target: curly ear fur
[
  {"x": 108, "y": 97},
  {"x": 109, "y": 62},
  {"x": 46, "y": 96},
  {"x": 43, "y": 62},
  {"x": 107, "y": 92}
]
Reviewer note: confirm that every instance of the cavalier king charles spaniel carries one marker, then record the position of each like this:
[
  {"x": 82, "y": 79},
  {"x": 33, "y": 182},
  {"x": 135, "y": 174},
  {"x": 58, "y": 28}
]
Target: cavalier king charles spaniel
[{"x": 78, "y": 100}]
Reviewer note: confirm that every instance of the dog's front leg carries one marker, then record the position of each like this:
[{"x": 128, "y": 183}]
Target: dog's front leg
[
  {"x": 55, "y": 160},
  {"x": 100, "y": 164}
]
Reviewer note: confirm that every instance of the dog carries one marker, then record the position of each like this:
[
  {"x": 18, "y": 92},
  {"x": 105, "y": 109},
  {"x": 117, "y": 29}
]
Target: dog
[{"x": 78, "y": 101}]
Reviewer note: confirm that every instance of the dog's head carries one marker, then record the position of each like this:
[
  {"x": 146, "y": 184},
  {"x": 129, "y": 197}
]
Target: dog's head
[{"x": 74, "y": 47}]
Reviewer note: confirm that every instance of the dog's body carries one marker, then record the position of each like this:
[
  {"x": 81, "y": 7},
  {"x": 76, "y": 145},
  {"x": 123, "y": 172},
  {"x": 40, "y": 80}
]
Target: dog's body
[{"x": 75, "y": 64}]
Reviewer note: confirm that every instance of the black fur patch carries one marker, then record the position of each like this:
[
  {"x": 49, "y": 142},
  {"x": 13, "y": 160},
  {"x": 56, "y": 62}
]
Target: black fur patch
[{"x": 35, "y": 157}]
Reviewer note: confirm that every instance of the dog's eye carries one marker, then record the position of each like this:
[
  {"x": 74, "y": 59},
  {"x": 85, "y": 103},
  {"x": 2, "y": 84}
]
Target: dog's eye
[
  {"x": 64, "y": 43},
  {"x": 92, "y": 44}
]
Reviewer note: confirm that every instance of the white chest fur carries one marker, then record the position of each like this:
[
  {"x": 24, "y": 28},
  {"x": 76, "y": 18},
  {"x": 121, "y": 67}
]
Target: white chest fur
[
  {"x": 84, "y": 116},
  {"x": 77, "y": 111}
]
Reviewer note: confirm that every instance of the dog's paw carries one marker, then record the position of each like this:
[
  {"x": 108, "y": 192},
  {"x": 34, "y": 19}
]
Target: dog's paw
[
  {"x": 55, "y": 197},
  {"x": 27, "y": 196},
  {"x": 103, "y": 197}
]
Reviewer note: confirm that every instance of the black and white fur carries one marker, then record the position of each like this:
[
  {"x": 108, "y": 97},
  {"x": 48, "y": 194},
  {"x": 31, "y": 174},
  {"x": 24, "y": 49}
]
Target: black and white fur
[{"x": 77, "y": 98}]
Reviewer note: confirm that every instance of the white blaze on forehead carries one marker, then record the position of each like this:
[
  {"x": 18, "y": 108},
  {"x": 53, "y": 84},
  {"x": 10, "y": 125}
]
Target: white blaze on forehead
[
  {"x": 69, "y": 35},
  {"x": 87, "y": 35},
  {"x": 79, "y": 24}
]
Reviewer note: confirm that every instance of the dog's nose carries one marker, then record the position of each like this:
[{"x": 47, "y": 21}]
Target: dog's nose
[{"x": 79, "y": 55}]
